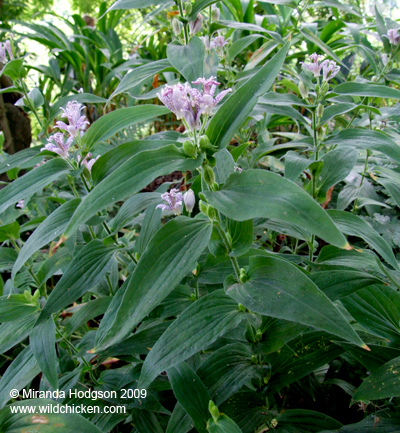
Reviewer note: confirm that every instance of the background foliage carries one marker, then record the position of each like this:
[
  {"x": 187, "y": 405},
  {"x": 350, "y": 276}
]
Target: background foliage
[{"x": 240, "y": 266}]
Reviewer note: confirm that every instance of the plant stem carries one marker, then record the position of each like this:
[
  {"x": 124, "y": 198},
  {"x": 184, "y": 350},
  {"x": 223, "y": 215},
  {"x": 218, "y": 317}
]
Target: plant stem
[
  {"x": 234, "y": 261},
  {"x": 185, "y": 32}
]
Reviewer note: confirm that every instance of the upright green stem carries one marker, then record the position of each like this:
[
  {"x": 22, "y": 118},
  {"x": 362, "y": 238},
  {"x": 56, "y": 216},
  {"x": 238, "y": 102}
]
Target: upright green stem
[
  {"x": 362, "y": 181},
  {"x": 185, "y": 30},
  {"x": 234, "y": 261},
  {"x": 313, "y": 180}
]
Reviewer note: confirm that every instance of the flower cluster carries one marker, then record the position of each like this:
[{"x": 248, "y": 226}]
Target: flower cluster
[
  {"x": 76, "y": 123},
  {"x": 174, "y": 200},
  {"x": 393, "y": 37},
  {"x": 5, "y": 48},
  {"x": 218, "y": 42},
  {"x": 189, "y": 104},
  {"x": 329, "y": 67},
  {"x": 86, "y": 163}
]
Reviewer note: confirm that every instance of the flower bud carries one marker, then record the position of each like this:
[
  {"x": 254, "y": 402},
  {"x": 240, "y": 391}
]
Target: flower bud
[
  {"x": 211, "y": 161},
  {"x": 36, "y": 295},
  {"x": 189, "y": 200},
  {"x": 195, "y": 26},
  {"x": 204, "y": 142},
  {"x": 259, "y": 335},
  {"x": 242, "y": 308},
  {"x": 303, "y": 90},
  {"x": 374, "y": 79},
  {"x": 215, "y": 14},
  {"x": 243, "y": 277},
  {"x": 211, "y": 213},
  {"x": 209, "y": 175},
  {"x": 324, "y": 89},
  {"x": 213, "y": 411},
  {"x": 28, "y": 296},
  {"x": 274, "y": 423},
  {"x": 189, "y": 148},
  {"x": 320, "y": 111},
  {"x": 176, "y": 27},
  {"x": 189, "y": 9},
  {"x": 203, "y": 207}
]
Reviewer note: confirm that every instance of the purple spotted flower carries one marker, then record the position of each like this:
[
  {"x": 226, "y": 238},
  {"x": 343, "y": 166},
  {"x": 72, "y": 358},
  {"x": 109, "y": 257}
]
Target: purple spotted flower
[
  {"x": 393, "y": 37},
  {"x": 57, "y": 145},
  {"x": 218, "y": 42},
  {"x": 329, "y": 69},
  {"x": 5, "y": 48},
  {"x": 76, "y": 122},
  {"x": 207, "y": 100},
  {"x": 189, "y": 103},
  {"x": 88, "y": 164},
  {"x": 315, "y": 67},
  {"x": 174, "y": 201}
]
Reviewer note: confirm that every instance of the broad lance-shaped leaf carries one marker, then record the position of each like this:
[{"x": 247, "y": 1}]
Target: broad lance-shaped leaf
[
  {"x": 383, "y": 383},
  {"x": 195, "y": 329},
  {"x": 367, "y": 89},
  {"x": 238, "y": 106},
  {"x": 263, "y": 194},
  {"x": 366, "y": 139},
  {"x": 276, "y": 288},
  {"x": 32, "y": 182},
  {"x": 111, "y": 123},
  {"x": 170, "y": 255},
  {"x": 141, "y": 73},
  {"x": 133, "y": 4},
  {"x": 86, "y": 269},
  {"x": 52, "y": 227},
  {"x": 19, "y": 158},
  {"x": 43, "y": 345},
  {"x": 355, "y": 226},
  {"x": 18, "y": 374},
  {"x": 191, "y": 393},
  {"x": 188, "y": 60},
  {"x": 56, "y": 420},
  {"x": 131, "y": 177}
]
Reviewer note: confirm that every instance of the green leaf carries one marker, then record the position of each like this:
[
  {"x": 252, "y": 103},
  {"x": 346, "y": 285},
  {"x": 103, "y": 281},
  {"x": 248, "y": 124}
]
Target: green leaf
[
  {"x": 227, "y": 370},
  {"x": 300, "y": 357},
  {"x": 338, "y": 164},
  {"x": 87, "y": 268},
  {"x": 263, "y": 194},
  {"x": 242, "y": 43},
  {"x": 366, "y": 139},
  {"x": 335, "y": 110},
  {"x": 12, "y": 333},
  {"x": 52, "y": 227},
  {"x": 198, "y": 6},
  {"x": 377, "y": 309},
  {"x": 337, "y": 284},
  {"x": 43, "y": 346},
  {"x": 131, "y": 177},
  {"x": 61, "y": 422},
  {"x": 170, "y": 255},
  {"x": 309, "y": 35},
  {"x": 146, "y": 421},
  {"x": 381, "y": 29},
  {"x": 276, "y": 288},
  {"x": 180, "y": 421},
  {"x": 238, "y": 106},
  {"x": 7, "y": 258},
  {"x": 355, "y": 226},
  {"x": 242, "y": 236},
  {"x": 191, "y": 394},
  {"x": 296, "y": 419},
  {"x": 367, "y": 89},
  {"x": 383, "y": 383},
  {"x": 114, "y": 158},
  {"x": 9, "y": 231},
  {"x": 188, "y": 59},
  {"x": 295, "y": 164},
  {"x": 15, "y": 307},
  {"x": 17, "y": 159},
  {"x": 223, "y": 425},
  {"x": 138, "y": 75},
  {"x": 195, "y": 329},
  {"x": 18, "y": 374},
  {"x": 15, "y": 69},
  {"x": 108, "y": 125},
  {"x": 151, "y": 224},
  {"x": 32, "y": 182},
  {"x": 87, "y": 312},
  {"x": 133, "y": 4}
]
